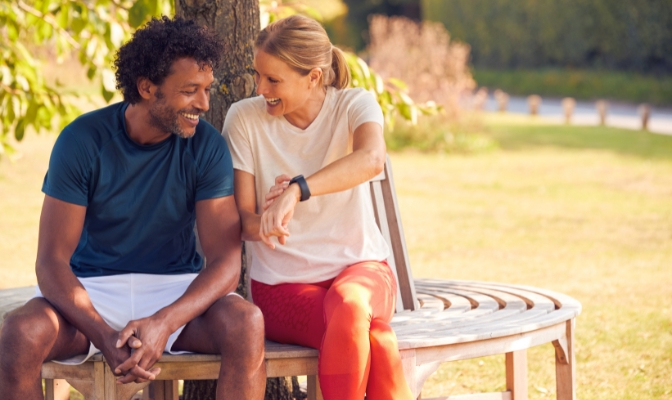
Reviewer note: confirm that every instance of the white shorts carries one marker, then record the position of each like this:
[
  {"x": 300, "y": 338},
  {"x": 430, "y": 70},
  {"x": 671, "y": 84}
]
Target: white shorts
[{"x": 122, "y": 298}]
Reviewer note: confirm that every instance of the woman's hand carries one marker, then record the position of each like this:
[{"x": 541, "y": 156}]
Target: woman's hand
[
  {"x": 276, "y": 217},
  {"x": 281, "y": 184}
]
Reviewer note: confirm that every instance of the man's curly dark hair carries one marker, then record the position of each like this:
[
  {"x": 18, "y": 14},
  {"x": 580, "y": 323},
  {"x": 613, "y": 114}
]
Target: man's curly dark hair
[{"x": 155, "y": 47}]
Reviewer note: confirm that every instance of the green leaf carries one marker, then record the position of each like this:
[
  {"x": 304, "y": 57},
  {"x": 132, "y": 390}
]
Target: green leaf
[
  {"x": 20, "y": 129},
  {"x": 405, "y": 98},
  {"x": 138, "y": 13},
  {"x": 405, "y": 111},
  {"x": 12, "y": 31},
  {"x": 106, "y": 95},
  {"x": 398, "y": 83},
  {"x": 116, "y": 34},
  {"x": 11, "y": 112},
  {"x": 63, "y": 16},
  {"x": 109, "y": 81},
  {"x": 31, "y": 113},
  {"x": 78, "y": 24},
  {"x": 378, "y": 84},
  {"x": 364, "y": 66}
]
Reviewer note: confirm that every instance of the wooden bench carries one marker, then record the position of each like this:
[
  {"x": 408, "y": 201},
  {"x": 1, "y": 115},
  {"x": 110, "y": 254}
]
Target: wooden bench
[{"x": 436, "y": 321}]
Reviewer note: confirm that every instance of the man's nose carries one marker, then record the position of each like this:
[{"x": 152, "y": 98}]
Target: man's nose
[{"x": 203, "y": 100}]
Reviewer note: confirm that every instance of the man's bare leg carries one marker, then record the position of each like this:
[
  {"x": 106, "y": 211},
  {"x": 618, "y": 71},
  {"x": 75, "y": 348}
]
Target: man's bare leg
[
  {"x": 30, "y": 335},
  {"x": 233, "y": 328}
]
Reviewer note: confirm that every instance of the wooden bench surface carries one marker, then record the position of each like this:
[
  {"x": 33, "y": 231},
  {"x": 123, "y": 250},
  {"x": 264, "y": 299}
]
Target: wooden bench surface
[{"x": 450, "y": 312}]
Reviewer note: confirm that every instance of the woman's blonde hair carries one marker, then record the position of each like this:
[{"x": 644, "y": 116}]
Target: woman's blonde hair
[{"x": 303, "y": 44}]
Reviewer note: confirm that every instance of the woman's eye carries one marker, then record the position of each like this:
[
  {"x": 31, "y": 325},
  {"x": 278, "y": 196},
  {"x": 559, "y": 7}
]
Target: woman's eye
[{"x": 272, "y": 80}]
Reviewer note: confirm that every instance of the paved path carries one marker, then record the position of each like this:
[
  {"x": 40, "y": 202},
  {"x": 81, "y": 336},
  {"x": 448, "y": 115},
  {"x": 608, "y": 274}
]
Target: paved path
[{"x": 620, "y": 115}]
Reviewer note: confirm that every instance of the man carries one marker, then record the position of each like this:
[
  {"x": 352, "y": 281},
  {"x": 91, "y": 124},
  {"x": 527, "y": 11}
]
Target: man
[{"x": 117, "y": 266}]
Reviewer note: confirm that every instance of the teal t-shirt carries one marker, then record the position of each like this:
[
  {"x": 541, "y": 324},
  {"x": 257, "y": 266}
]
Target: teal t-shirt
[{"x": 140, "y": 200}]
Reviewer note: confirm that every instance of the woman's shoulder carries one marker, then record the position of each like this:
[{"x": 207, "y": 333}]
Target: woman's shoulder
[
  {"x": 251, "y": 105},
  {"x": 349, "y": 95}
]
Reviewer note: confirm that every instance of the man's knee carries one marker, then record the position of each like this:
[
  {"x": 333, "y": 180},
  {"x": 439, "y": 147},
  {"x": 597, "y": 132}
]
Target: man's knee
[
  {"x": 26, "y": 335},
  {"x": 237, "y": 319}
]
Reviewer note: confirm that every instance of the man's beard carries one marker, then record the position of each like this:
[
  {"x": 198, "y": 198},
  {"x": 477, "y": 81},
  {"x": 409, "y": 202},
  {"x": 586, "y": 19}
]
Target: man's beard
[{"x": 166, "y": 119}]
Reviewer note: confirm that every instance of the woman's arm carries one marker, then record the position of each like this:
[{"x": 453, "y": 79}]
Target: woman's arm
[{"x": 365, "y": 162}]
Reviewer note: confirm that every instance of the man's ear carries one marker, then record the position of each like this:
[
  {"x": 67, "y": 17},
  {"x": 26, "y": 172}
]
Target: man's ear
[
  {"x": 315, "y": 76},
  {"x": 145, "y": 88}
]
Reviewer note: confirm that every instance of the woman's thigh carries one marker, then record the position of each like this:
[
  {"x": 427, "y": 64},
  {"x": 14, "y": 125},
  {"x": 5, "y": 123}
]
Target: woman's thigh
[
  {"x": 368, "y": 285},
  {"x": 293, "y": 312}
]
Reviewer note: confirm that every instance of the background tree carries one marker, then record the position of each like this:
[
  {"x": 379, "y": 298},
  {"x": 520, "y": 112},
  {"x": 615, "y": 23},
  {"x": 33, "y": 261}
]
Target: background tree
[{"x": 91, "y": 30}]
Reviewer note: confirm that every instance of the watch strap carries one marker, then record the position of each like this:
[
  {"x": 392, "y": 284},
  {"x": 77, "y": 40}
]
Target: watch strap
[{"x": 303, "y": 186}]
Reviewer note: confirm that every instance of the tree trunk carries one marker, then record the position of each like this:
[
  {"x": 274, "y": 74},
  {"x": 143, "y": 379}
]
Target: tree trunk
[{"x": 237, "y": 22}]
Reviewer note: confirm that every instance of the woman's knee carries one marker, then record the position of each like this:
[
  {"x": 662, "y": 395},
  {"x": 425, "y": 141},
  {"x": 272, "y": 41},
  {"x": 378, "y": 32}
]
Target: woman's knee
[
  {"x": 382, "y": 336},
  {"x": 347, "y": 305}
]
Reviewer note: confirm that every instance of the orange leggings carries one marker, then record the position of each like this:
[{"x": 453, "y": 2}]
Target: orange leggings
[{"x": 346, "y": 318}]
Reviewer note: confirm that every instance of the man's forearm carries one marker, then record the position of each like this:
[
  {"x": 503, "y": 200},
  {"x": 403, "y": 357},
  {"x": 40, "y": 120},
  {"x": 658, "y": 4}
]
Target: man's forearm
[
  {"x": 218, "y": 279},
  {"x": 64, "y": 291}
]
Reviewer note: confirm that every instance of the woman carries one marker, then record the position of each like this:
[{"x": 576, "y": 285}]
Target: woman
[{"x": 317, "y": 257}]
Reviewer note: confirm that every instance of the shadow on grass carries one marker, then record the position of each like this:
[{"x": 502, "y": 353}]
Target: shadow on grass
[{"x": 627, "y": 142}]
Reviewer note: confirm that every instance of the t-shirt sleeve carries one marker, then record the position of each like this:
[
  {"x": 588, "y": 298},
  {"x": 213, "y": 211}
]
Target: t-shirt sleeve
[
  {"x": 237, "y": 136},
  {"x": 364, "y": 108},
  {"x": 68, "y": 176},
  {"x": 215, "y": 172}
]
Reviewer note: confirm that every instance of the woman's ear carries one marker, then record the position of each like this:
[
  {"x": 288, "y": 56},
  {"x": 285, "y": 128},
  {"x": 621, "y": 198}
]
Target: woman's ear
[{"x": 315, "y": 76}]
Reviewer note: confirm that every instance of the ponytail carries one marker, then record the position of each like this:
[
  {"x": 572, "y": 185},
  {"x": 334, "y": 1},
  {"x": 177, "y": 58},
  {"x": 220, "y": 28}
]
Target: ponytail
[{"x": 339, "y": 68}]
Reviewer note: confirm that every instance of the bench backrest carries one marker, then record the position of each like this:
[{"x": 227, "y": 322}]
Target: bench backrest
[{"x": 388, "y": 219}]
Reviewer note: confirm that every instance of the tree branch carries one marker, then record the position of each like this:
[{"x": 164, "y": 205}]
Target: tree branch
[{"x": 50, "y": 20}]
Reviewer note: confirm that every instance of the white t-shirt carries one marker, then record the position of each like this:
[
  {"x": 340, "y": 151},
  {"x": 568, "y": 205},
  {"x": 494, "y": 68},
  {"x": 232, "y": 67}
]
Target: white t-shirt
[{"x": 329, "y": 232}]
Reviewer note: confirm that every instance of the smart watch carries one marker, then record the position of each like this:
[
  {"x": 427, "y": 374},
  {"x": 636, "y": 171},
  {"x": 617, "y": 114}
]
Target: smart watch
[{"x": 303, "y": 186}]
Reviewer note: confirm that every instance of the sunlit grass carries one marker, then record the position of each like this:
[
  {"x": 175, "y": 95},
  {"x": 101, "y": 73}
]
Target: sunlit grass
[{"x": 581, "y": 210}]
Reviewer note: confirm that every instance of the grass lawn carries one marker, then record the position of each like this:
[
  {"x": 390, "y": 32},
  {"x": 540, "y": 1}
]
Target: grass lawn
[{"x": 585, "y": 211}]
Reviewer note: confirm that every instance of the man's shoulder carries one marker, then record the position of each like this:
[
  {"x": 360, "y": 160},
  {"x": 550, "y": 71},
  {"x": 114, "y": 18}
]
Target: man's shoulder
[
  {"x": 97, "y": 125},
  {"x": 207, "y": 142}
]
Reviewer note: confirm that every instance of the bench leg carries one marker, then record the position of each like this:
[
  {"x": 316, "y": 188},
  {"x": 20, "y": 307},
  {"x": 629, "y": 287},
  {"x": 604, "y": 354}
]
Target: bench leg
[
  {"x": 565, "y": 373},
  {"x": 56, "y": 389},
  {"x": 161, "y": 390},
  {"x": 516, "y": 374},
  {"x": 314, "y": 391}
]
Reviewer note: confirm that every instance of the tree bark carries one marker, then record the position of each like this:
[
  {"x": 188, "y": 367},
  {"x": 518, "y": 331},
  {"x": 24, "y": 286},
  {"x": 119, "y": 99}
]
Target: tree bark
[{"x": 237, "y": 22}]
